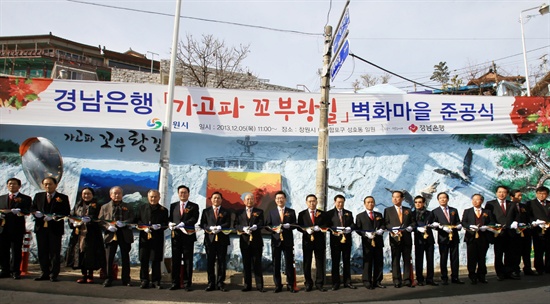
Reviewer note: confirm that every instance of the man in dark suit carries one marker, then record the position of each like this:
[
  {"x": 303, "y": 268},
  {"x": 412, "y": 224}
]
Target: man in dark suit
[
  {"x": 447, "y": 222},
  {"x": 370, "y": 226},
  {"x": 340, "y": 242},
  {"x": 401, "y": 222},
  {"x": 506, "y": 242},
  {"x": 477, "y": 238},
  {"x": 183, "y": 214},
  {"x": 526, "y": 237},
  {"x": 540, "y": 215},
  {"x": 151, "y": 240},
  {"x": 116, "y": 216},
  {"x": 12, "y": 228},
  {"x": 423, "y": 243},
  {"x": 311, "y": 220},
  {"x": 250, "y": 221},
  {"x": 282, "y": 241},
  {"x": 47, "y": 207},
  {"x": 213, "y": 220}
]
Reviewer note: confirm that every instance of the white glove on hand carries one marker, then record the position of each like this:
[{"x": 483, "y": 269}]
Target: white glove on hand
[
  {"x": 147, "y": 230},
  {"x": 514, "y": 225},
  {"x": 120, "y": 224},
  {"x": 474, "y": 228},
  {"x": 112, "y": 228},
  {"x": 38, "y": 214},
  {"x": 447, "y": 229},
  {"x": 435, "y": 225},
  {"x": 212, "y": 228},
  {"x": 534, "y": 224},
  {"x": 316, "y": 228},
  {"x": 86, "y": 219},
  {"x": 77, "y": 224},
  {"x": 286, "y": 225},
  {"x": 380, "y": 231},
  {"x": 309, "y": 231},
  {"x": 171, "y": 226},
  {"x": 48, "y": 218},
  {"x": 409, "y": 229},
  {"x": 155, "y": 226},
  {"x": 246, "y": 230},
  {"x": 15, "y": 211},
  {"x": 2, "y": 216},
  {"x": 347, "y": 230},
  {"x": 421, "y": 229},
  {"x": 459, "y": 227},
  {"x": 254, "y": 227},
  {"x": 370, "y": 235},
  {"x": 219, "y": 228},
  {"x": 483, "y": 228},
  {"x": 540, "y": 222},
  {"x": 180, "y": 225}
]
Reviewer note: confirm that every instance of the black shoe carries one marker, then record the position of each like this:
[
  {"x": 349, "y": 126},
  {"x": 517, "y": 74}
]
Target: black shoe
[
  {"x": 457, "y": 281},
  {"x": 420, "y": 283},
  {"x": 174, "y": 287},
  {"x": 54, "y": 279},
  {"x": 321, "y": 288},
  {"x": 540, "y": 273},
  {"x": 17, "y": 277},
  {"x": 367, "y": 285},
  {"x": 156, "y": 285},
  {"x": 261, "y": 289},
  {"x": 500, "y": 278},
  {"x": 222, "y": 288},
  {"x": 335, "y": 287},
  {"x": 246, "y": 289},
  {"x": 432, "y": 283},
  {"x": 42, "y": 278},
  {"x": 350, "y": 286},
  {"x": 210, "y": 288},
  {"x": 293, "y": 290},
  {"x": 529, "y": 272},
  {"x": 473, "y": 281},
  {"x": 128, "y": 284},
  {"x": 410, "y": 285},
  {"x": 379, "y": 285},
  {"x": 107, "y": 283},
  {"x": 308, "y": 288},
  {"x": 482, "y": 280},
  {"x": 515, "y": 276},
  {"x": 278, "y": 289},
  {"x": 445, "y": 282},
  {"x": 397, "y": 285},
  {"x": 144, "y": 285}
]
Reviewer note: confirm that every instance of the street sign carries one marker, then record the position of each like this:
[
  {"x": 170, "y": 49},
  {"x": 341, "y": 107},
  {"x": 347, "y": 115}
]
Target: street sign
[
  {"x": 342, "y": 55},
  {"x": 340, "y": 31}
]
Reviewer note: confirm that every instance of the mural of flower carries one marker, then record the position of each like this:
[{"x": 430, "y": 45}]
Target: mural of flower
[
  {"x": 531, "y": 114},
  {"x": 17, "y": 92}
]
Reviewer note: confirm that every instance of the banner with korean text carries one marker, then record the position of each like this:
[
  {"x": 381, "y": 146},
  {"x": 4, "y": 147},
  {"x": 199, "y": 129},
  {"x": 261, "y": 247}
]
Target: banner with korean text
[{"x": 69, "y": 103}]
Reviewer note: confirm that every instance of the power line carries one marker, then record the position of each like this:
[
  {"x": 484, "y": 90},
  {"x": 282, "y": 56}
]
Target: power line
[{"x": 199, "y": 19}]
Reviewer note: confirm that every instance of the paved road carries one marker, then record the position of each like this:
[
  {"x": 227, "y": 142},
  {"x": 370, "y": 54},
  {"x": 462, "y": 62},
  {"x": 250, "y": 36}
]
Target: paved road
[{"x": 527, "y": 290}]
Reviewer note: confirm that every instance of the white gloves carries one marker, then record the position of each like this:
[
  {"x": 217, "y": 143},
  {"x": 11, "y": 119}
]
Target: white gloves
[
  {"x": 2, "y": 216},
  {"x": 316, "y": 228},
  {"x": 246, "y": 229},
  {"x": 254, "y": 227},
  {"x": 286, "y": 225},
  {"x": 171, "y": 226},
  {"x": 38, "y": 214},
  {"x": 459, "y": 227},
  {"x": 447, "y": 229},
  {"x": 120, "y": 224},
  {"x": 212, "y": 228},
  {"x": 538, "y": 223},
  {"x": 147, "y": 230},
  {"x": 409, "y": 229},
  {"x": 180, "y": 225},
  {"x": 435, "y": 225},
  {"x": 15, "y": 211},
  {"x": 370, "y": 235},
  {"x": 421, "y": 229},
  {"x": 474, "y": 228},
  {"x": 112, "y": 228},
  {"x": 86, "y": 219},
  {"x": 514, "y": 225},
  {"x": 483, "y": 228},
  {"x": 48, "y": 218},
  {"x": 380, "y": 231},
  {"x": 216, "y": 229},
  {"x": 309, "y": 231},
  {"x": 155, "y": 226},
  {"x": 347, "y": 230}
]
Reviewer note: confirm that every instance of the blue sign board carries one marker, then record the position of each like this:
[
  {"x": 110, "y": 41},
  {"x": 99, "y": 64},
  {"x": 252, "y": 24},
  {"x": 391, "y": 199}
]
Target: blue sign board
[
  {"x": 340, "y": 31},
  {"x": 342, "y": 55}
]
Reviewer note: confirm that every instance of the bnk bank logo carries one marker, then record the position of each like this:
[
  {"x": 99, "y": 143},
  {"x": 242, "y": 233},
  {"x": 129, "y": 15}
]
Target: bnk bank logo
[{"x": 154, "y": 123}]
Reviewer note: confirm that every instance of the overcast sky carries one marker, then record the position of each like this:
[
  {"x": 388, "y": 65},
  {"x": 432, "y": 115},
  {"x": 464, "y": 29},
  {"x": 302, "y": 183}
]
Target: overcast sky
[{"x": 407, "y": 37}]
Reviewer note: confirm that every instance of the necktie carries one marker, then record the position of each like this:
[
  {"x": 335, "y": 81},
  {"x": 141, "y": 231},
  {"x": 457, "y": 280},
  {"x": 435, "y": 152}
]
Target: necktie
[
  {"x": 400, "y": 215},
  {"x": 372, "y": 216},
  {"x": 447, "y": 214},
  {"x": 478, "y": 213},
  {"x": 503, "y": 207},
  {"x": 312, "y": 216},
  {"x": 182, "y": 208},
  {"x": 248, "y": 213},
  {"x": 10, "y": 201},
  {"x": 281, "y": 214},
  {"x": 216, "y": 212},
  {"x": 340, "y": 217},
  {"x": 48, "y": 197}
]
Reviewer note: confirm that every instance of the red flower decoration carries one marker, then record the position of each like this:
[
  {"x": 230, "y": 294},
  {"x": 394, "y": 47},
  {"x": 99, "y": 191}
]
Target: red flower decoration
[
  {"x": 16, "y": 92},
  {"x": 531, "y": 114}
]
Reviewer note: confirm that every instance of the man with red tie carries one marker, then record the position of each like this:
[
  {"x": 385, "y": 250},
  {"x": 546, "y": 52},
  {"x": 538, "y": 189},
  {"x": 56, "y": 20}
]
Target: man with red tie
[
  {"x": 340, "y": 242},
  {"x": 370, "y": 226},
  {"x": 47, "y": 206},
  {"x": 506, "y": 243},
  {"x": 311, "y": 221},
  {"x": 12, "y": 228},
  {"x": 213, "y": 220},
  {"x": 183, "y": 214},
  {"x": 540, "y": 215},
  {"x": 282, "y": 242}
]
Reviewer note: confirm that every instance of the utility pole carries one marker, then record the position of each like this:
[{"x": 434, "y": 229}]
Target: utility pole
[
  {"x": 152, "y": 56},
  {"x": 322, "y": 144}
]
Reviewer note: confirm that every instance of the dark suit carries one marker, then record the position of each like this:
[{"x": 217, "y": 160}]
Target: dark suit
[
  {"x": 477, "y": 246},
  {"x": 123, "y": 212},
  {"x": 12, "y": 232},
  {"x": 48, "y": 238},
  {"x": 423, "y": 246},
  {"x": 286, "y": 245},
  {"x": 316, "y": 246},
  {"x": 541, "y": 241},
  {"x": 216, "y": 244},
  {"x": 401, "y": 247},
  {"x": 373, "y": 256},
  {"x": 447, "y": 247},
  {"x": 251, "y": 245},
  {"x": 151, "y": 249},
  {"x": 183, "y": 244},
  {"x": 339, "y": 248},
  {"x": 506, "y": 243},
  {"x": 525, "y": 241}
]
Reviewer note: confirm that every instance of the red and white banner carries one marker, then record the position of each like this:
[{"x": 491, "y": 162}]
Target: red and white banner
[{"x": 238, "y": 112}]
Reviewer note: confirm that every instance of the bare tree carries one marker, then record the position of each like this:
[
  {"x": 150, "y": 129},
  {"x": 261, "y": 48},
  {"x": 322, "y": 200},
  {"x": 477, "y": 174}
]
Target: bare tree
[
  {"x": 211, "y": 63},
  {"x": 368, "y": 80}
]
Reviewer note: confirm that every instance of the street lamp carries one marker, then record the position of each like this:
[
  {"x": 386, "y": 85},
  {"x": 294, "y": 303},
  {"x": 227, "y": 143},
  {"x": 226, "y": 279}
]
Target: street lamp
[{"x": 543, "y": 9}]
